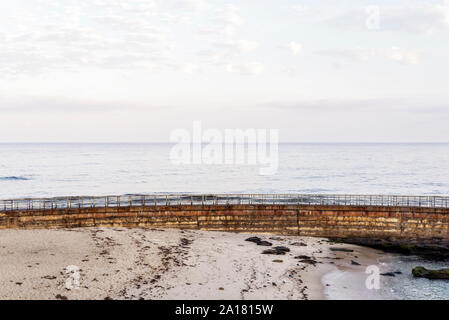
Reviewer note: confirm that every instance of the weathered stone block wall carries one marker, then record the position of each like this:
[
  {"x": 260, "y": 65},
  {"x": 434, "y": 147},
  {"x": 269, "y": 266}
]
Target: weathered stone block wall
[{"x": 323, "y": 221}]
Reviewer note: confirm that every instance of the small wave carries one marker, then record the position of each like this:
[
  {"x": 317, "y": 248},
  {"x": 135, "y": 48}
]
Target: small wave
[
  {"x": 316, "y": 190},
  {"x": 13, "y": 178}
]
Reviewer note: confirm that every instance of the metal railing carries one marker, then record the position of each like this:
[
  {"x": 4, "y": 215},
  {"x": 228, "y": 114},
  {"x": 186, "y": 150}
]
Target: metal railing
[{"x": 224, "y": 199}]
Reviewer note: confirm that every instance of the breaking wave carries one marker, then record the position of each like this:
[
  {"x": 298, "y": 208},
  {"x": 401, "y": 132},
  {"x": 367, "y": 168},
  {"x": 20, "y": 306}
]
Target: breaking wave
[{"x": 13, "y": 178}]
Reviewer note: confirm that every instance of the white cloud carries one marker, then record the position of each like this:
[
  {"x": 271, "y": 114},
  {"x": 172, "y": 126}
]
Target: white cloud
[
  {"x": 292, "y": 71},
  {"x": 127, "y": 23},
  {"x": 252, "y": 68},
  {"x": 294, "y": 47},
  {"x": 51, "y": 3},
  {"x": 237, "y": 47},
  {"x": 224, "y": 53},
  {"x": 222, "y": 22},
  {"x": 106, "y": 39},
  {"x": 140, "y": 6},
  {"x": 190, "y": 5},
  {"x": 404, "y": 105},
  {"x": 397, "y": 54},
  {"x": 227, "y": 15},
  {"x": 226, "y": 30},
  {"x": 401, "y": 55},
  {"x": 296, "y": 8}
]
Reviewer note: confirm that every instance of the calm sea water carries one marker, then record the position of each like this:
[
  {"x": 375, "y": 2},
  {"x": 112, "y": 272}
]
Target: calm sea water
[{"x": 47, "y": 170}]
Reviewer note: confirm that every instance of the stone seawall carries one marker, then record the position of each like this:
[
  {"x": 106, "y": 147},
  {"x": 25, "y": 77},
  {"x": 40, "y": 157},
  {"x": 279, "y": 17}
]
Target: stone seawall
[{"x": 322, "y": 221}]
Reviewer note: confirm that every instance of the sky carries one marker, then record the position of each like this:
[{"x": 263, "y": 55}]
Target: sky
[{"x": 135, "y": 70}]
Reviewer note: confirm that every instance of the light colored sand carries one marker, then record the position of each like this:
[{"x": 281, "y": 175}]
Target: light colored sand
[{"x": 158, "y": 264}]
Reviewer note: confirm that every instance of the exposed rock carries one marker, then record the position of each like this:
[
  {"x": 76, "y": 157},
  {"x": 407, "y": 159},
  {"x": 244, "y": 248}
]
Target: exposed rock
[
  {"x": 388, "y": 274},
  {"x": 254, "y": 239},
  {"x": 303, "y": 257},
  {"x": 431, "y": 249},
  {"x": 355, "y": 263},
  {"x": 259, "y": 241},
  {"x": 421, "y": 272},
  {"x": 185, "y": 242},
  {"x": 342, "y": 249},
  {"x": 264, "y": 243},
  {"x": 306, "y": 259},
  {"x": 277, "y": 250},
  {"x": 298, "y": 244},
  {"x": 273, "y": 251}
]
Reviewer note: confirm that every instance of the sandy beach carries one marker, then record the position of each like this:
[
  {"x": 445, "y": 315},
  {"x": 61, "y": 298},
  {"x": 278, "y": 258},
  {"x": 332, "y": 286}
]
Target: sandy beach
[{"x": 173, "y": 264}]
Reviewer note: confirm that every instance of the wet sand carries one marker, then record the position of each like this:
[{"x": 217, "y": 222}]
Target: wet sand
[
  {"x": 168, "y": 264},
  {"x": 347, "y": 280}
]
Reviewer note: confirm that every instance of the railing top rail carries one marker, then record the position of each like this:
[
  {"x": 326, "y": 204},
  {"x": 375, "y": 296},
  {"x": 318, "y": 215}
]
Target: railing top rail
[{"x": 286, "y": 195}]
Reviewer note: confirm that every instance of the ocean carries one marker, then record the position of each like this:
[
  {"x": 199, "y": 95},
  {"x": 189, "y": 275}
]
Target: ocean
[{"x": 49, "y": 170}]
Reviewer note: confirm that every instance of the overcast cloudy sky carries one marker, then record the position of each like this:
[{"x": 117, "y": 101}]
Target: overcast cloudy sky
[{"x": 134, "y": 70}]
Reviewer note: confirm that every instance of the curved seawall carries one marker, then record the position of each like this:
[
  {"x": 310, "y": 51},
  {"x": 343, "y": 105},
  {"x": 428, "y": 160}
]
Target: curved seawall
[{"x": 331, "y": 221}]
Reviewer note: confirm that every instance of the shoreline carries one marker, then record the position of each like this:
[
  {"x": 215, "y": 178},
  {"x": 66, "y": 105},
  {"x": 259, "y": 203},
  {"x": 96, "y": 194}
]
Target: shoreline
[
  {"x": 119, "y": 263},
  {"x": 347, "y": 281}
]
